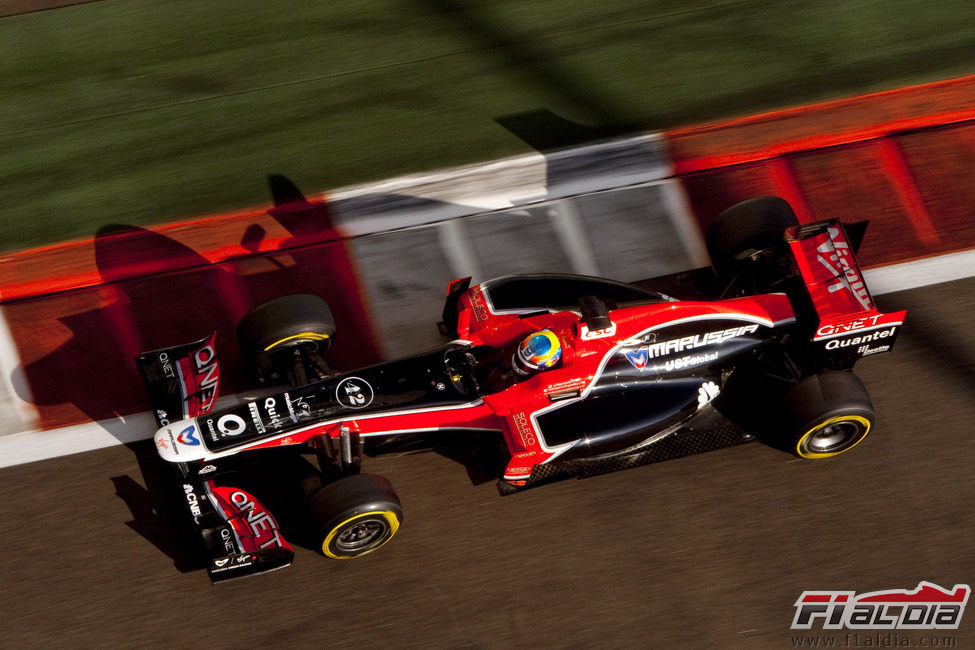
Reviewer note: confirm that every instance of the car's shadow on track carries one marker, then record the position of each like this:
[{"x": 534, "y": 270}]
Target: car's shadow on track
[
  {"x": 277, "y": 477},
  {"x": 282, "y": 479},
  {"x": 153, "y": 290},
  {"x": 158, "y": 514}
]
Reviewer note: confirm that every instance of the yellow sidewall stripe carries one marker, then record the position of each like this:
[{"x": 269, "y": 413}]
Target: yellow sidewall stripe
[
  {"x": 842, "y": 418},
  {"x": 388, "y": 515},
  {"x": 311, "y": 336}
]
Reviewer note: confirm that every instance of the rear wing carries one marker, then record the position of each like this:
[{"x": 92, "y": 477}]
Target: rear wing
[
  {"x": 183, "y": 381},
  {"x": 848, "y": 324}
]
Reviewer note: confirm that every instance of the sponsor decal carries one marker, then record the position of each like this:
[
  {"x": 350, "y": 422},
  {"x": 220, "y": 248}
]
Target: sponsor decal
[
  {"x": 707, "y": 392},
  {"x": 639, "y": 357},
  {"x": 269, "y": 415},
  {"x": 255, "y": 417},
  {"x": 167, "y": 365},
  {"x": 478, "y": 306},
  {"x": 161, "y": 443},
  {"x": 862, "y": 339},
  {"x": 866, "y": 351},
  {"x": 588, "y": 335},
  {"x": 172, "y": 440},
  {"x": 228, "y": 425},
  {"x": 839, "y": 262},
  {"x": 297, "y": 407},
  {"x": 232, "y": 563},
  {"x": 664, "y": 348},
  {"x": 192, "y": 501},
  {"x": 524, "y": 429},
  {"x": 689, "y": 362},
  {"x": 262, "y": 525},
  {"x": 228, "y": 541},
  {"x": 188, "y": 436},
  {"x": 162, "y": 417},
  {"x": 833, "y": 329},
  {"x": 565, "y": 386},
  {"x": 928, "y": 607},
  {"x": 206, "y": 369},
  {"x": 354, "y": 393},
  {"x": 518, "y": 471},
  {"x": 271, "y": 406}
]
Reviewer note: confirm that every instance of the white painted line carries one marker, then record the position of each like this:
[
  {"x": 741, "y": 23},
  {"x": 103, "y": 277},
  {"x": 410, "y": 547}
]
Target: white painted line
[
  {"x": 459, "y": 249},
  {"x": 33, "y": 446},
  {"x": 920, "y": 273},
  {"x": 681, "y": 218},
  {"x": 16, "y": 409},
  {"x": 567, "y": 223},
  {"x": 525, "y": 180}
]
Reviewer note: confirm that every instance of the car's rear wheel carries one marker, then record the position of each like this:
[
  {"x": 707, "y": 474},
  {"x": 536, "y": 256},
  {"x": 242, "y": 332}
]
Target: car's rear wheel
[
  {"x": 828, "y": 414},
  {"x": 746, "y": 230},
  {"x": 355, "y": 515}
]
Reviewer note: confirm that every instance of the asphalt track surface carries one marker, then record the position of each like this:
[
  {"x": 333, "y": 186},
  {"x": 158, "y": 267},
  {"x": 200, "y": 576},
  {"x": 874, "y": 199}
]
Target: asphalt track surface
[{"x": 705, "y": 551}]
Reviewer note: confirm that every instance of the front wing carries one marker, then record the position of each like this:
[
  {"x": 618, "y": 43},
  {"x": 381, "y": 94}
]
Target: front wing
[{"x": 241, "y": 536}]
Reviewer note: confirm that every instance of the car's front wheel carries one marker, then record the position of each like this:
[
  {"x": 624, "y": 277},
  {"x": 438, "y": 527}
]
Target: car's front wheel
[
  {"x": 355, "y": 515},
  {"x": 273, "y": 335}
]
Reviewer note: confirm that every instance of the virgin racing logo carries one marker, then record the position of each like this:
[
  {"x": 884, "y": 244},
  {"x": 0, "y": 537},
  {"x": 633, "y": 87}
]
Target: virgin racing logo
[
  {"x": 929, "y": 607},
  {"x": 847, "y": 276}
]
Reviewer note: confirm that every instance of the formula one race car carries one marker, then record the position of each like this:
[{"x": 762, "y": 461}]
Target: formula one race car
[{"x": 577, "y": 376}]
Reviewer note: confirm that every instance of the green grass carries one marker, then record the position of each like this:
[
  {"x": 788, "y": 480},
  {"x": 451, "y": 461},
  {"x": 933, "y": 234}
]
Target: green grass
[{"x": 142, "y": 111}]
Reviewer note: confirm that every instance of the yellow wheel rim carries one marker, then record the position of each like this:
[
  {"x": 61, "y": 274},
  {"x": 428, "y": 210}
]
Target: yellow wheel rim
[
  {"x": 392, "y": 522},
  {"x": 832, "y": 422}
]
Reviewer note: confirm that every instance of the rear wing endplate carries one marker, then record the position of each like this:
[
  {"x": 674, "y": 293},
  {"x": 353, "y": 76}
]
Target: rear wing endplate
[{"x": 848, "y": 324}]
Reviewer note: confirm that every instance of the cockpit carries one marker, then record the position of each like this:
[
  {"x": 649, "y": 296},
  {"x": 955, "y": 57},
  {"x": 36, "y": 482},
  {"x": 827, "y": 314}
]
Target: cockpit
[{"x": 557, "y": 292}]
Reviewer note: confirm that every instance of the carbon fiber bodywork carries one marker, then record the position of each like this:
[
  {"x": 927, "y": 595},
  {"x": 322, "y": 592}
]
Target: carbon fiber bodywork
[{"x": 710, "y": 431}]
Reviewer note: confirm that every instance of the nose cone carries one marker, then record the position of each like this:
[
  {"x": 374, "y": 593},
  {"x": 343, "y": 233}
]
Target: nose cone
[{"x": 180, "y": 442}]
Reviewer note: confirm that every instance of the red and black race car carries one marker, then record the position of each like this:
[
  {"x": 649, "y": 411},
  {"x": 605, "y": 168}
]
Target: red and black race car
[{"x": 576, "y": 375}]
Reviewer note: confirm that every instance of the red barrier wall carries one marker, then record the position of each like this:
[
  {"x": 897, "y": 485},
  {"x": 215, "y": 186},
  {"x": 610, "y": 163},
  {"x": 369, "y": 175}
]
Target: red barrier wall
[
  {"x": 143, "y": 289},
  {"x": 903, "y": 159}
]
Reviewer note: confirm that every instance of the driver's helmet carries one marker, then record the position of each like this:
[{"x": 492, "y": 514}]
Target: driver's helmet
[{"x": 539, "y": 351}]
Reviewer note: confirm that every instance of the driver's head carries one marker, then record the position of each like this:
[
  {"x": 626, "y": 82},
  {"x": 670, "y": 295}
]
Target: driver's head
[{"x": 538, "y": 351}]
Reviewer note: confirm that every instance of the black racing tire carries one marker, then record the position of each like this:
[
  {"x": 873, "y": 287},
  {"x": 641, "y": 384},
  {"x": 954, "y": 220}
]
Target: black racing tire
[
  {"x": 355, "y": 515},
  {"x": 286, "y": 322},
  {"x": 827, "y": 414},
  {"x": 755, "y": 224}
]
